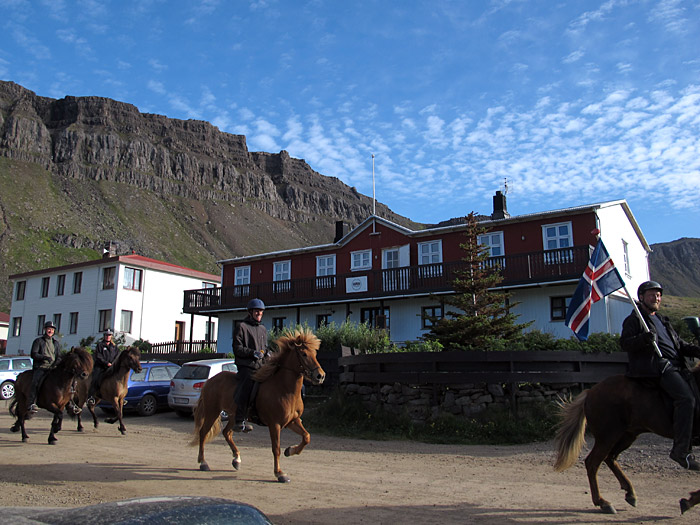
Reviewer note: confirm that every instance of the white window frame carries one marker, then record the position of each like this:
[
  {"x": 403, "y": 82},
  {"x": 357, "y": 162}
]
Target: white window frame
[
  {"x": 361, "y": 260},
  {"x": 241, "y": 275},
  {"x": 390, "y": 258},
  {"x": 430, "y": 252},
  {"x": 626, "y": 258},
  {"x": 494, "y": 242},
  {"x": 281, "y": 275},
  {"x": 558, "y": 237},
  {"x": 325, "y": 265},
  {"x": 126, "y": 321}
]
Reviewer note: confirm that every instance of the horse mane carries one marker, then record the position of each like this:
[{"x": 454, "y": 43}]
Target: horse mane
[
  {"x": 289, "y": 340},
  {"x": 123, "y": 354},
  {"x": 79, "y": 353}
]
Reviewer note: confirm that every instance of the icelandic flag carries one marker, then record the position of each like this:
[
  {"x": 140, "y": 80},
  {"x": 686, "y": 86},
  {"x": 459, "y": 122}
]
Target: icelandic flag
[{"x": 600, "y": 278}]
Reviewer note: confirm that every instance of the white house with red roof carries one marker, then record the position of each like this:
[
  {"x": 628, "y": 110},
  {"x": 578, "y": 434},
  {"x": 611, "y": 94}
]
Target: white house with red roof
[
  {"x": 133, "y": 295},
  {"x": 393, "y": 277}
]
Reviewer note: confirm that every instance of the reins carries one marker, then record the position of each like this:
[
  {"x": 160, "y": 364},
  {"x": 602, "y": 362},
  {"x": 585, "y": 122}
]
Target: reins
[{"x": 300, "y": 370}]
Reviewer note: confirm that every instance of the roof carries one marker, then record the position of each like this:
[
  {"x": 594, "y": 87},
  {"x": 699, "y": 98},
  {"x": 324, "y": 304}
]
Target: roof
[
  {"x": 373, "y": 219},
  {"x": 4, "y": 318},
  {"x": 131, "y": 260}
]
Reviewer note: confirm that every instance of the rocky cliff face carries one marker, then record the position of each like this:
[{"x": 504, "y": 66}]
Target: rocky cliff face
[
  {"x": 79, "y": 171},
  {"x": 676, "y": 265}
]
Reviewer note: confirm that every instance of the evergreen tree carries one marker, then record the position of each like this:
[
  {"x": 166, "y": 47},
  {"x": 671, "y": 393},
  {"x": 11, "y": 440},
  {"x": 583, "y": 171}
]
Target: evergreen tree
[{"x": 482, "y": 319}]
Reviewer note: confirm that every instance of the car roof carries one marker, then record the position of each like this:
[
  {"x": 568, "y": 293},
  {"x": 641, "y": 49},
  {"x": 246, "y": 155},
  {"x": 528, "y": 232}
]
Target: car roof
[
  {"x": 159, "y": 363},
  {"x": 15, "y": 356},
  {"x": 210, "y": 362}
]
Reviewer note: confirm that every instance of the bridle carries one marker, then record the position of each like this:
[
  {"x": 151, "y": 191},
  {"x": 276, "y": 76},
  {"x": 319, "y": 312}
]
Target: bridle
[{"x": 300, "y": 369}]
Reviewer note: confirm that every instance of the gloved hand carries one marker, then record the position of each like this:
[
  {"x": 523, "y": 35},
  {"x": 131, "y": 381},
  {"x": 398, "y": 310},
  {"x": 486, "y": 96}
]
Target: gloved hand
[
  {"x": 258, "y": 354},
  {"x": 649, "y": 338}
]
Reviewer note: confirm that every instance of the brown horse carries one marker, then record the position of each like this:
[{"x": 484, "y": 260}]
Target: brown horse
[
  {"x": 616, "y": 410},
  {"x": 112, "y": 387},
  {"x": 55, "y": 390},
  {"x": 278, "y": 402}
]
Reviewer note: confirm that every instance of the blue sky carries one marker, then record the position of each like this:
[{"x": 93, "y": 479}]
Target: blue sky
[{"x": 570, "y": 102}]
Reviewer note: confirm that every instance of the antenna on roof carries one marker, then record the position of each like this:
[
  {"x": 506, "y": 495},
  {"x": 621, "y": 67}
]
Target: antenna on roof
[
  {"x": 374, "y": 196},
  {"x": 505, "y": 185}
]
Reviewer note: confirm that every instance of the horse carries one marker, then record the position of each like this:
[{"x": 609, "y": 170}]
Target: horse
[
  {"x": 112, "y": 387},
  {"x": 279, "y": 403},
  {"x": 616, "y": 410},
  {"x": 55, "y": 391}
]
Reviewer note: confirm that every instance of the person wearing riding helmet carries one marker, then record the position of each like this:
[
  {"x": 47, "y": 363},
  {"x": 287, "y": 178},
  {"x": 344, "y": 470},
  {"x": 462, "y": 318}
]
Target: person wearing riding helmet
[
  {"x": 669, "y": 370},
  {"x": 249, "y": 349},
  {"x": 44, "y": 350}
]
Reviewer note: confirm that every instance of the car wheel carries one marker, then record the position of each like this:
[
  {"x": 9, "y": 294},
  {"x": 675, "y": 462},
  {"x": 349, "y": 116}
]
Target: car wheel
[
  {"x": 7, "y": 390},
  {"x": 183, "y": 413},
  {"x": 147, "y": 406}
]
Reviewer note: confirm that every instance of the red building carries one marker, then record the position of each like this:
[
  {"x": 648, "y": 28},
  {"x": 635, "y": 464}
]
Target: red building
[{"x": 385, "y": 274}]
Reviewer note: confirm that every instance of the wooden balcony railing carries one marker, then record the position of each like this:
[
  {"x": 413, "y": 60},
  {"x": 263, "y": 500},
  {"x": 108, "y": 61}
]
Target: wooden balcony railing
[{"x": 536, "y": 267}]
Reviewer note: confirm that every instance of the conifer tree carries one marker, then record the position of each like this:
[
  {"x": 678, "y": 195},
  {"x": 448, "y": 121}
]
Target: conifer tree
[{"x": 481, "y": 319}]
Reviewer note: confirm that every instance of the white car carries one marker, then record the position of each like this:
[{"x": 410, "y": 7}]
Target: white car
[
  {"x": 10, "y": 368},
  {"x": 186, "y": 386}
]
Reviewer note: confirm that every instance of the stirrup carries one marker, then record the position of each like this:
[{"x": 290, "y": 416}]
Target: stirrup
[
  {"x": 75, "y": 408},
  {"x": 33, "y": 409},
  {"x": 90, "y": 401}
]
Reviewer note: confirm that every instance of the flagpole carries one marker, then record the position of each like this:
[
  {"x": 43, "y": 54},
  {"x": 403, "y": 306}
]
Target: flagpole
[{"x": 641, "y": 319}]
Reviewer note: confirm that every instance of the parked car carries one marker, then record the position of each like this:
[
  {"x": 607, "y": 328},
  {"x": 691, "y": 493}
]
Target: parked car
[
  {"x": 148, "y": 389},
  {"x": 10, "y": 368},
  {"x": 187, "y": 384}
]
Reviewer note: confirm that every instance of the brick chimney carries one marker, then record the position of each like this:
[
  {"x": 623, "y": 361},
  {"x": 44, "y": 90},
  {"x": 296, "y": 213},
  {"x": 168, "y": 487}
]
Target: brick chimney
[
  {"x": 500, "y": 210},
  {"x": 339, "y": 230},
  {"x": 109, "y": 250}
]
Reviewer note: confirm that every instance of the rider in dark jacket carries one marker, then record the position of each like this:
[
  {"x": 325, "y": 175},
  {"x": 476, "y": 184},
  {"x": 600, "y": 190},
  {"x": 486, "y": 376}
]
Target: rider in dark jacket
[
  {"x": 44, "y": 349},
  {"x": 669, "y": 369},
  {"x": 249, "y": 348},
  {"x": 106, "y": 352}
]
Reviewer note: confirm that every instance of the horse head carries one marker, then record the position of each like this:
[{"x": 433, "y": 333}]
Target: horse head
[
  {"x": 132, "y": 355},
  {"x": 77, "y": 362},
  {"x": 304, "y": 345}
]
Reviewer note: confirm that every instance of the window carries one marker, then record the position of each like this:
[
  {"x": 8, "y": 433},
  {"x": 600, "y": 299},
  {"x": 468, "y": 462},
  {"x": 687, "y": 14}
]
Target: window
[
  {"x": 105, "y": 320},
  {"x": 108, "y": 277},
  {"x": 322, "y": 320},
  {"x": 554, "y": 238},
  {"x": 241, "y": 281},
  {"x": 281, "y": 276},
  {"x": 210, "y": 331},
  {"x": 206, "y": 285},
  {"x": 427, "y": 313},
  {"x": 626, "y": 257},
  {"x": 494, "y": 242},
  {"x": 20, "y": 288},
  {"x": 278, "y": 323},
  {"x": 77, "y": 282},
  {"x": 73, "y": 323},
  {"x": 375, "y": 317},
  {"x": 361, "y": 260},
  {"x": 126, "y": 317},
  {"x": 325, "y": 271},
  {"x": 40, "y": 320},
  {"x": 60, "y": 284},
  {"x": 16, "y": 326},
  {"x": 132, "y": 279},
  {"x": 57, "y": 322},
  {"x": 558, "y": 307},
  {"x": 45, "y": 286},
  {"x": 430, "y": 252},
  {"x": 391, "y": 258}
]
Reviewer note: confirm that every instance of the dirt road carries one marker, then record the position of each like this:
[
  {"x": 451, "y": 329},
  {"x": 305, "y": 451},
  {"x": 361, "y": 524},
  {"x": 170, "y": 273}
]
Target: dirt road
[{"x": 334, "y": 481}]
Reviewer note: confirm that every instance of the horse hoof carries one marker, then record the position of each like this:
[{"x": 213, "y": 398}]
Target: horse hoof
[
  {"x": 685, "y": 505},
  {"x": 123, "y": 432},
  {"x": 283, "y": 478},
  {"x": 14, "y": 428},
  {"x": 52, "y": 441},
  {"x": 236, "y": 463},
  {"x": 631, "y": 500},
  {"x": 608, "y": 509},
  {"x": 204, "y": 467},
  {"x": 24, "y": 440},
  {"x": 287, "y": 452}
]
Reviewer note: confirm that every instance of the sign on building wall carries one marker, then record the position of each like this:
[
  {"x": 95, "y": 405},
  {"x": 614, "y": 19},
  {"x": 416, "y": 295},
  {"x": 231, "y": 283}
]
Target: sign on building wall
[{"x": 356, "y": 284}]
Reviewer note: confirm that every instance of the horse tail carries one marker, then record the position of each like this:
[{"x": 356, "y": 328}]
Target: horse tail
[
  {"x": 571, "y": 431},
  {"x": 200, "y": 413}
]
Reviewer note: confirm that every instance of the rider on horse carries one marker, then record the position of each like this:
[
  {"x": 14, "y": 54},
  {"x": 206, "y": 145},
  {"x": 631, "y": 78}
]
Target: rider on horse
[
  {"x": 249, "y": 348},
  {"x": 670, "y": 371},
  {"x": 43, "y": 354},
  {"x": 106, "y": 353}
]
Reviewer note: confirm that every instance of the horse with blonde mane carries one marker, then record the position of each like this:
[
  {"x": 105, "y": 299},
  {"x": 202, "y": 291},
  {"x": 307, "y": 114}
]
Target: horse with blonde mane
[{"x": 278, "y": 402}]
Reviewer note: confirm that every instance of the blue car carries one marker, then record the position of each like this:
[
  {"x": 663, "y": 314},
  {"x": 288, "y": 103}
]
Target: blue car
[{"x": 148, "y": 389}]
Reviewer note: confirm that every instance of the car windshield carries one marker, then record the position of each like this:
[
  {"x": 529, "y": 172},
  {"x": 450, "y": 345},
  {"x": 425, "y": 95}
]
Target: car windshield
[{"x": 192, "y": 372}]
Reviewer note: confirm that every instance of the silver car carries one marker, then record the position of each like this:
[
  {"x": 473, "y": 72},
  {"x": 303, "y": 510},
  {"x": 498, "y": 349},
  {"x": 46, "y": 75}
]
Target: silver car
[
  {"x": 186, "y": 386},
  {"x": 10, "y": 368}
]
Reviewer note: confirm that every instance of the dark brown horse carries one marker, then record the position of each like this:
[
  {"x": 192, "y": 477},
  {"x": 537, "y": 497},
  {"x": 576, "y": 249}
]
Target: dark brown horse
[
  {"x": 55, "y": 391},
  {"x": 278, "y": 402},
  {"x": 616, "y": 411},
  {"x": 112, "y": 387}
]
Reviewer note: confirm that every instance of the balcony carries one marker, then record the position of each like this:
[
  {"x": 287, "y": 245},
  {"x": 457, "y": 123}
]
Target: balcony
[{"x": 530, "y": 268}]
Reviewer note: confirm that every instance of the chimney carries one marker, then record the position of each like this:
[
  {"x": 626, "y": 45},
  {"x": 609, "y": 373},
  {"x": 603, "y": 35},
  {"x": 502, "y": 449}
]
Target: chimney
[
  {"x": 499, "y": 206},
  {"x": 109, "y": 250},
  {"x": 339, "y": 230}
]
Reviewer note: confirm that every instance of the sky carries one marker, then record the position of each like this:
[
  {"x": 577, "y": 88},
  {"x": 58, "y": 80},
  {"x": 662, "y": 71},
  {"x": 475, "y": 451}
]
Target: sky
[{"x": 557, "y": 103}]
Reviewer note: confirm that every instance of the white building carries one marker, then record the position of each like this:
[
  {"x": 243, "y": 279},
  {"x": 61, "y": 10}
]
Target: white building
[{"x": 133, "y": 295}]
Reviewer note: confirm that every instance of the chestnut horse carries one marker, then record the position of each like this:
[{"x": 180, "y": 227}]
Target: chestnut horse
[
  {"x": 112, "y": 387},
  {"x": 55, "y": 390},
  {"x": 617, "y": 410},
  {"x": 278, "y": 402}
]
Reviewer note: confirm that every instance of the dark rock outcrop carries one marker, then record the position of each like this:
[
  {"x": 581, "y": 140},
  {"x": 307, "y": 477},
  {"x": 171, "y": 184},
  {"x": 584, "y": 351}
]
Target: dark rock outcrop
[{"x": 676, "y": 265}]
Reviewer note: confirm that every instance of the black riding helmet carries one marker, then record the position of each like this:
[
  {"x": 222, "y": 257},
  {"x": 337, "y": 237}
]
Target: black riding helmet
[{"x": 649, "y": 285}]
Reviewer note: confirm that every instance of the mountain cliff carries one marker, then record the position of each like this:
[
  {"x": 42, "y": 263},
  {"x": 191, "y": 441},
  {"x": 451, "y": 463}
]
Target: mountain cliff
[
  {"x": 676, "y": 265},
  {"x": 81, "y": 171}
]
